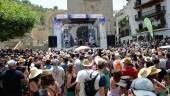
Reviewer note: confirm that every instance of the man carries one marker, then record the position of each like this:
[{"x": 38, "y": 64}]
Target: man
[
  {"x": 12, "y": 80},
  {"x": 64, "y": 65},
  {"x": 128, "y": 69},
  {"x": 81, "y": 76},
  {"x": 85, "y": 74},
  {"x": 58, "y": 74},
  {"x": 141, "y": 87},
  {"x": 78, "y": 62},
  {"x": 162, "y": 61}
]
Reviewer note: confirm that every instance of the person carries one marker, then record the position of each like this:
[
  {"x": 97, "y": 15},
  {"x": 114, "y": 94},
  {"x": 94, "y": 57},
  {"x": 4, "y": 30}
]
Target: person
[
  {"x": 48, "y": 64},
  {"x": 34, "y": 81},
  {"x": 24, "y": 70},
  {"x": 101, "y": 81},
  {"x": 86, "y": 74},
  {"x": 58, "y": 74},
  {"x": 153, "y": 76},
  {"x": 154, "y": 72},
  {"x": 21, "y": 67},
  {"x": 78, "y": 62},
  {"x": 148, "y": 62},
  {"x": 141, "y": 87},
  {"x": 64, "y": 65},
  {"x": 144, "y": 72},
  {"x": 167, "y": 80},
  {"x": 71, "y": 80},
  {"x": 114, "y": 89},
  {"x": 124, "y": 85},
  {"x": 49, "y": 86},
  {"x": 168, "y": 61},
  {"x": 129, "y": 69},
  {"x": 117, "y": 64},
  {"x": 81, "y": 76},
  {"x": 162, "y": 61},
  {"x": 12, "y": 80},
  {"x": 141, "y": 61}
]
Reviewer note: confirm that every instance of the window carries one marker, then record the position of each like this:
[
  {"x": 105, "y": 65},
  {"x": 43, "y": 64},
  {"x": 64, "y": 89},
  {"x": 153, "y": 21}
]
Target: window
[
  {"x": 158, "y": 8},
  {"x": 140, "y": 26}
]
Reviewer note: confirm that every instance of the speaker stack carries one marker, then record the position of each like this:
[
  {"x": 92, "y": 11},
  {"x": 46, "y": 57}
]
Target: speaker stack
[{"x": 52, "y": 41}]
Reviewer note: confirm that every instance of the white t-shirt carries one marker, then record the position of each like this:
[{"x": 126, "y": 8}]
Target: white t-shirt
[
  {"x": 162, "y": 63},
  {"x": 58, "y": 75},
  {"x": 78, "y": 65},
  {"x": 85, "y": 74}
]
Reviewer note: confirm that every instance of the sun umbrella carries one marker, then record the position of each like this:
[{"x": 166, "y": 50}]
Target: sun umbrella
[
  {"x": 81, "y": 48},
  {"x": 165, "y": 47}
]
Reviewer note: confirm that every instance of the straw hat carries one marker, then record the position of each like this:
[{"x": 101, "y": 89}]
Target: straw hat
[
  {"x": 98, "y": 60},
  {"x": 154, "y": 70},
  {"x": 46, "y": 73},
  {"x": 86, "y": 63},
  {"x": 127, "y": 60},
  {"x": 34, "y": 72},
  {"x": 144, "y": 72},
  {"x": 21, "y": 60},
  {"x": 86, "y": 55},
  {"x": 147, "y": 59}
]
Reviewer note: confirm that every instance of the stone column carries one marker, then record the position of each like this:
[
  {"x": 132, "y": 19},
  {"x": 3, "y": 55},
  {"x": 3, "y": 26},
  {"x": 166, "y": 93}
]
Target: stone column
[
  {"x": 58, "y": 32},
  {"x": 102, "y": 31}
]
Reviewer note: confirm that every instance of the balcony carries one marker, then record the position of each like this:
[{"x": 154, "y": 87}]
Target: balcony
[
  {"x": 139, "y": 5},
  {"x": 155, "y": 12},
  {"x": 159, "y": 26}
]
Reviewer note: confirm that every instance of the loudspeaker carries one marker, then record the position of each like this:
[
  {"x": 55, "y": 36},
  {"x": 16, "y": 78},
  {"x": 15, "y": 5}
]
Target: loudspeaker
[
  {"x": 111, "y": 40},
  {"x": 52, "y": 41}
]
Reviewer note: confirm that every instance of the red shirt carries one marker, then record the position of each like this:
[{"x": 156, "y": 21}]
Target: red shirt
[{"x": 130, "y": 71}]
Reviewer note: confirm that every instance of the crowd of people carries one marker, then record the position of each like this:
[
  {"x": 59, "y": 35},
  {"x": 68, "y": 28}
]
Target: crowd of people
[{"x": 124, "y": 71}]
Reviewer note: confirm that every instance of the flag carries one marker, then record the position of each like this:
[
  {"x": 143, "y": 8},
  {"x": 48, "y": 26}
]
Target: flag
[{"x": 149, "y": 26}]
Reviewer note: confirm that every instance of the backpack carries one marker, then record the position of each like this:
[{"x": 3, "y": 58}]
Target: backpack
[
  {"x": 89, "y": 86},
  {"x": 118, "y": 65}
]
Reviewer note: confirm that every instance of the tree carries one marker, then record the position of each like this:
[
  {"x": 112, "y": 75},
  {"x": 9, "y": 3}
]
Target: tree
[
  {"x": 17, "y": 18},
  {"x": 55, "y": 8}
]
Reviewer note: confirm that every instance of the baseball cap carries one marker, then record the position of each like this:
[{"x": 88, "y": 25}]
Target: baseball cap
[{"x": 142, "y": 87}]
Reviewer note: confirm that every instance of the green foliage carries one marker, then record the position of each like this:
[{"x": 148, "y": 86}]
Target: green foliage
[
  {"x": 123, "y": 22},
  {"x": 17, "y": 18}
]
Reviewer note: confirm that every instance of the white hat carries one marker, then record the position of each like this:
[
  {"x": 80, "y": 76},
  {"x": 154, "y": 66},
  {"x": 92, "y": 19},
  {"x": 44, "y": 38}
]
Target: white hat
[
  {"x": 87, "y": 63},
  {"x": 98, "y": 60},
  {"x": 142, "y": 87},
  {"x": 11, "y": 63},
  {"x": 144, "y": 72},
  {"x": 34, "y": 72}
]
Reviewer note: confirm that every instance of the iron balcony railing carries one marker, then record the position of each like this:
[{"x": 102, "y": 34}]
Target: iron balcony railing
[
  {"x": 139, "y": 4},
  {"x": 150, "y": 13}
]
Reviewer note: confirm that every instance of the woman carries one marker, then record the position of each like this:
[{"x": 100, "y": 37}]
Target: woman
[
  {"x": 34, "y": 81},
  {"x": 114, "y": 89},
  {"x": 71, "y": 80},
  {"x": 49, "y": 86}
]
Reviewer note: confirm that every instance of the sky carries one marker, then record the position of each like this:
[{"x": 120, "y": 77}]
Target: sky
[{"x": 62, "y": 4}]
